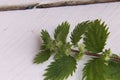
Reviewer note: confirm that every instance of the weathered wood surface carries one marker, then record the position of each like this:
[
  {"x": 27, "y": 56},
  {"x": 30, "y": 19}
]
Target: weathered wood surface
[
  {"x": 73, "y": 3},
  {"x": 20, "y": 36},
  {"x": 18, "y": 7},
  {"x": 53, "y": 4}
]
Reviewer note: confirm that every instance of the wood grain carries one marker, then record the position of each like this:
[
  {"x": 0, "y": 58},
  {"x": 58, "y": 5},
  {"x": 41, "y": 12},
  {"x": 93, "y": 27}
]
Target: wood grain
[
  {"x": 74, "y": 3},
  {"x": 53, "y": 4},
  {"x": 18, "y": 7},
  {"x": 20, "y": 33}
]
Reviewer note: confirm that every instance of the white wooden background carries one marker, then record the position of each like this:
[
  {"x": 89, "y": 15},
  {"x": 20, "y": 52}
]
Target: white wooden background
[
  {"x": 20, "y": 41},
  {"x": 14, "y": 2}
]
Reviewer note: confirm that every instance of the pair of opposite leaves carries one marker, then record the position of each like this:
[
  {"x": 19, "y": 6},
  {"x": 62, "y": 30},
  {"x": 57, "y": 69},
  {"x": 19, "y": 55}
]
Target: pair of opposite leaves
[{"x": 94, "y": 35}]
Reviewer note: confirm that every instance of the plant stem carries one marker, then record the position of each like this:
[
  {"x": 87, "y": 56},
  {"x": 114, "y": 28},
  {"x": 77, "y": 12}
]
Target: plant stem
[{"x": 97, "y": 55}]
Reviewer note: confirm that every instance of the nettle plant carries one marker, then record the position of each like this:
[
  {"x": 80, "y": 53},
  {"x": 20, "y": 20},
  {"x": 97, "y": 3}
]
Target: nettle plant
[{"x": 87, "y": 38}]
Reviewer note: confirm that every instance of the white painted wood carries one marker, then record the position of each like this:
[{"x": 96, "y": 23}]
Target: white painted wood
[
  {"x": 20, "y": 36},
  {"x": 17, "y": 2},
  {"x": 22, "y": 2}
]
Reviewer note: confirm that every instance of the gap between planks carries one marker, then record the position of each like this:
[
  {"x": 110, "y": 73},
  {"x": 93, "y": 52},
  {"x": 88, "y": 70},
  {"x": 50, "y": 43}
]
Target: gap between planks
[{"x": 53, "y": 4}]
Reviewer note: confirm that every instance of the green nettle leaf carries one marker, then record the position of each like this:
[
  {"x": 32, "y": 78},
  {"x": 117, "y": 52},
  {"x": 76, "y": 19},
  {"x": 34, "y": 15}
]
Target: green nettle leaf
[
  {"x": 102, "y": 68},
  {"x": 42, "y": 57},
  {"x": 61, "y": 68},
  {"x": 45, "y": 36},
  {"x": 78, "y": 31},
  {"x": 61, "y": 32},
  {"x": 46, "y": 49},
  {"x": 113, "y": 70},
  {"x": 95, "y": 69},
  {"x": 96, "y": 36}
]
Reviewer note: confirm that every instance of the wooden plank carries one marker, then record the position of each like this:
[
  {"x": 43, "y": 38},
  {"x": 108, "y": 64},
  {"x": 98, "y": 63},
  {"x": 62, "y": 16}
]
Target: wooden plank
[
  {"x": 53, "y": 4},
  {"x": 73, "y": 3},
  {"x": 20, "y": 36},
  {"x": 18, "y": 7}
]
